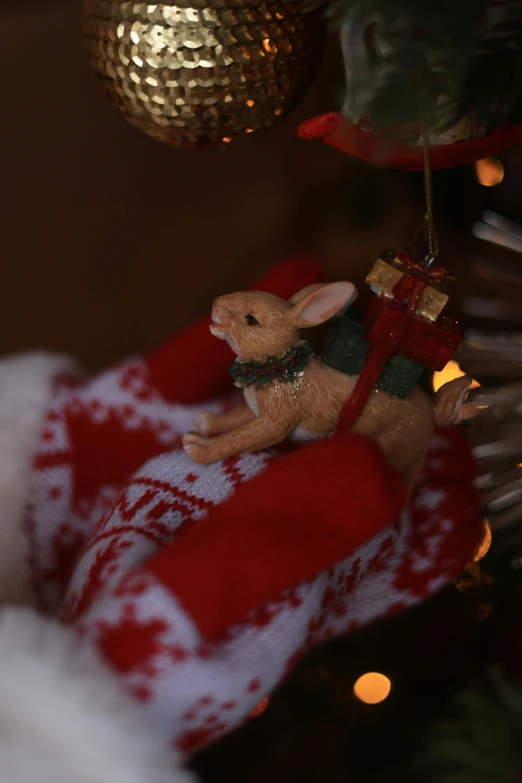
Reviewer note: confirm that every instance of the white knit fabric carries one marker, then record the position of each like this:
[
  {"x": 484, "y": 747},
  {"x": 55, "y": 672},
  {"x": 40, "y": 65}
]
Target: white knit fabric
[
  {"x": 112, "y": 493},
  {"x": 193, "y": 692},
  {"x": 63, "y": 716},
  {"x": 25, "y": 392}
]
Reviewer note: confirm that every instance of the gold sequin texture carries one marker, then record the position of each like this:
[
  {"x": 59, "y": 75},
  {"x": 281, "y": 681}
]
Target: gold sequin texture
[{"x": 200, "y": 75}]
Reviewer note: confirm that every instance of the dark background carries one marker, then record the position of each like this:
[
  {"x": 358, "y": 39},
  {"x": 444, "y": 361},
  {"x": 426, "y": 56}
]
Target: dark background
[{"x": 110, "y": 241}]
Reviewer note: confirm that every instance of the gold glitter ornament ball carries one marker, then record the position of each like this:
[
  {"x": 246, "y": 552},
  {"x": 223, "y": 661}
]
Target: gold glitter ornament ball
[{"x": 197, "y": 73}]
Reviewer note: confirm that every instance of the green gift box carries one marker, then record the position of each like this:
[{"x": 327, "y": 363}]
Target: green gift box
[{"x": 346, "y": 349}]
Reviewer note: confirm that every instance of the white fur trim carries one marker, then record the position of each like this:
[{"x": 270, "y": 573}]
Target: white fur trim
[
  {"x": 25, "y": 389},
  {"x": 63, "y": 716}
]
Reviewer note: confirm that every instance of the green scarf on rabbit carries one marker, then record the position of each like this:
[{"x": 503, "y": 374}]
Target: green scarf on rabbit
[{"x": 284, "y": 369}]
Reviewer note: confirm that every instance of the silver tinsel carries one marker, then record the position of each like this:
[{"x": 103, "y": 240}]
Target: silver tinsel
[{"x": 492, "y": 415}]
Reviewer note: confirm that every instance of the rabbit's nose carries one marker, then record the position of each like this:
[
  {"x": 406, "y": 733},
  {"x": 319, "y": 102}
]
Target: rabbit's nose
[{"x": 216, "y": 331}]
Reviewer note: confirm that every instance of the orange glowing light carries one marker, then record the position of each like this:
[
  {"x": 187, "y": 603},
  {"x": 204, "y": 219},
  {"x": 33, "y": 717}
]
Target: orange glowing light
[
  {"x": 372, "y": 688},
  {"x": 449, "y": 373},
  {"x": 250, "y": 102},
  {"x": 261, "y": 707},
  {"x": 226, "y": 139},
  {"x": 483, "y": 548},
  {"x": 489, "y": 171}
]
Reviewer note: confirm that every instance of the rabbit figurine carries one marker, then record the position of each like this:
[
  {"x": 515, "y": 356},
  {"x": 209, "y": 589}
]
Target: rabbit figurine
[{"x": 290, "y": 393}]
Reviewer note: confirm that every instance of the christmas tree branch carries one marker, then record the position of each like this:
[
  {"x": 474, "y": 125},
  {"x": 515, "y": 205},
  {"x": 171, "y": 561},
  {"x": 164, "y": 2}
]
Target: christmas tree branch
[{"x": 463, "y": 61}]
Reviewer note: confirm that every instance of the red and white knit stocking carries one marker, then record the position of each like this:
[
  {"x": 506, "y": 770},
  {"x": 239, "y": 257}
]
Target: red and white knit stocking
[{"x": 201, "y": 586}]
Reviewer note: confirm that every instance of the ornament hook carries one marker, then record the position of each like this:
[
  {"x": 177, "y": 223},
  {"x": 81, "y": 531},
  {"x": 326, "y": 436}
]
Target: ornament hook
[
  {"x": 427, "y": 226},
  {"x": 428, "y": 217}
]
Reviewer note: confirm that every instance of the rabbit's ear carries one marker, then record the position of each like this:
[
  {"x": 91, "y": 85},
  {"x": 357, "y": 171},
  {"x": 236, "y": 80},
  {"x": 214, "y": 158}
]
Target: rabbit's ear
[
  {"x": 300, "y": 295},
  {"x": 323, "y": 303}
]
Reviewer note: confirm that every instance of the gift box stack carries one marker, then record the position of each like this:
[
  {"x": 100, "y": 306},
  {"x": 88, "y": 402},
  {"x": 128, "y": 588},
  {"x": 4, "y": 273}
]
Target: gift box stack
[{"x": 408, "y": 327}]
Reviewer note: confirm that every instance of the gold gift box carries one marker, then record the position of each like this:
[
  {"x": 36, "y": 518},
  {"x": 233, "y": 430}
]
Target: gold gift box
[{"x": 386, "y": 273}]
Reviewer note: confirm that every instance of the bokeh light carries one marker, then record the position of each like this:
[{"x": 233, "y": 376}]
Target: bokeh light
[
  {"x": 489, "y": 171},
  {"x": 372, "y": 688},
  {"x": 449, "y": 373},
  {"x": 261, "y": 707},
  {"x": 483, "y": 548}
]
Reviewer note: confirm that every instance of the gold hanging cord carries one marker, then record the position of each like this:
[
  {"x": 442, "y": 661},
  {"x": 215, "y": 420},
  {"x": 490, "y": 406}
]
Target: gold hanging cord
[{"x": 427, "y": 226}]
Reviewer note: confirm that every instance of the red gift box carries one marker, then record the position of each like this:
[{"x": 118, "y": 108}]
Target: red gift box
[
  {"x": 397, "y": 322},
  {"x": 429, "y": 344}
]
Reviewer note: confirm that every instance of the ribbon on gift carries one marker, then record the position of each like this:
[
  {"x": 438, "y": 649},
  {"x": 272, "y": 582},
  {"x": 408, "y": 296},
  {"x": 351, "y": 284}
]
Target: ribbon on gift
[{"x": 387, "y": 340}]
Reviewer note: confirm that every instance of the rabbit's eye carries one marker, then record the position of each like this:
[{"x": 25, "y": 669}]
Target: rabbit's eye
[{"x": 251, "y": 321}]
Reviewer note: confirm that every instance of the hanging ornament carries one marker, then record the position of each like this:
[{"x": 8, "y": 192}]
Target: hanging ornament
[
  {"x": 199, "y": 74},
  {"x": 461, "y": 69},
  {"x": 292, "y": 393},
  {"x": 408, "y": 326}
]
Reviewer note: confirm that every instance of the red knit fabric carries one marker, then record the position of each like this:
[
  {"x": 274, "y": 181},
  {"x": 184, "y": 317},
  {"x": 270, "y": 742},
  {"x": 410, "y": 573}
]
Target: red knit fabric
[
  {"x": 115, "y": 423},
  {"x": 193, "y": 366},
  {"x": 202, "y": 585},
  {"x": 306, "y": 511},
  {"x": 195, "y": 688}
]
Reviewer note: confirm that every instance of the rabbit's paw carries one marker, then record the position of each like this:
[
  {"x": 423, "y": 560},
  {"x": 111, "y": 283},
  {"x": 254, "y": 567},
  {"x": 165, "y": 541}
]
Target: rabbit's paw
[
  {"x": 204, "y": 423},
  {"x": 199, "y": 448}
]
